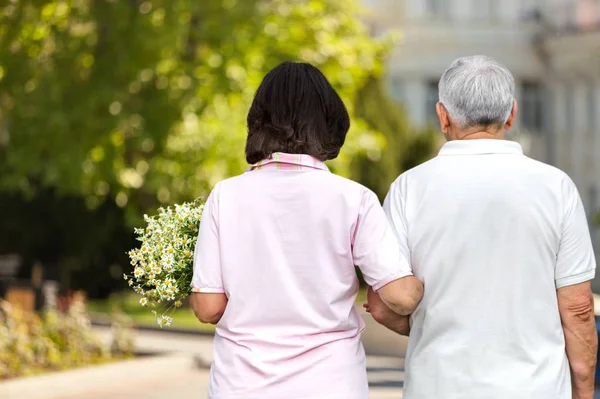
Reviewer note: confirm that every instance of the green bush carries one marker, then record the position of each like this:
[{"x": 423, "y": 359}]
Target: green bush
[{"x": 32, "y": 343}]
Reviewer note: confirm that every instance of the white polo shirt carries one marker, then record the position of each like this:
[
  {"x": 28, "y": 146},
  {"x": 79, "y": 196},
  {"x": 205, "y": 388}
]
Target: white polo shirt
[{"x": 492, "y": 234}]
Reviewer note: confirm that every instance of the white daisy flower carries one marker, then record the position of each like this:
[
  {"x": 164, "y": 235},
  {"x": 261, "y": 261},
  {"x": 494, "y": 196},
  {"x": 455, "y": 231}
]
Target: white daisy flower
[{"x": 138, "y": 272}]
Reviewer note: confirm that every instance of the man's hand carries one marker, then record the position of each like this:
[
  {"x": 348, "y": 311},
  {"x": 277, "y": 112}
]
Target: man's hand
[{"x": 384, "y": 315}]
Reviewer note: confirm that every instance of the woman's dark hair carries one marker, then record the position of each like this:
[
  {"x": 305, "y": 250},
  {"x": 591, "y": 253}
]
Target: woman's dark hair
[{"x": 296, "y": 111}]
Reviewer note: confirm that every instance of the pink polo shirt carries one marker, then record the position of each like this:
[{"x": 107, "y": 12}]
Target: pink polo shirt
[{"x": 282, "y": 241}]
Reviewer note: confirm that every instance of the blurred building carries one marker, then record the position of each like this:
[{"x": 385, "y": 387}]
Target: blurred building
[{"x": 551, "y": 46}]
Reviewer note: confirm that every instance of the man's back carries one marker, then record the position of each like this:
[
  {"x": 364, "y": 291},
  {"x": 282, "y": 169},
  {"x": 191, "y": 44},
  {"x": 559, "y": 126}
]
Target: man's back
[{"x": 486, "y": 230}]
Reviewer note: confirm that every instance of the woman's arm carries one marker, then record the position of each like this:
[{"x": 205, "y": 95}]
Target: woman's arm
[
  {"x": 402, "y": 295},
  {"x": 208, "y": 299},
  {"x": 384, "y": 259},
  {"x": 385, "y": 316},
  {"x": 208, "y": 308}
]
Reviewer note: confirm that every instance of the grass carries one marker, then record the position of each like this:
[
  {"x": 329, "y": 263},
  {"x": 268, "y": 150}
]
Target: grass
[
  {"x": 183, "y": 318},
  {"x": 128, "y": 303}
]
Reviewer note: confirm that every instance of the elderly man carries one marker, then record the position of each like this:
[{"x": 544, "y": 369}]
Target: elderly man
[{"x": 502, "y": 245}]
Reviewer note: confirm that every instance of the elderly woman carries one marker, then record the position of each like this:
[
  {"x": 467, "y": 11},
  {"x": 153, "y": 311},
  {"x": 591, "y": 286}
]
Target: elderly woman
[{"x": 275, "y": 257}]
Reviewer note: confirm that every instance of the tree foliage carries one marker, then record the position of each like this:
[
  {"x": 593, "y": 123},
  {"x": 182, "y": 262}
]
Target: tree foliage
[
  {"x": 144, "y": 101},
  {"x": 405, "y": 147},
  {"x": 111, "y": 107}
]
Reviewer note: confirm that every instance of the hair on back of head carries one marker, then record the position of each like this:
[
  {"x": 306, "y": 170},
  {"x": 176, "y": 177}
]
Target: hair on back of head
[
  {"x": 477, "y": 91},
  {"x": 296, "y": 111}
]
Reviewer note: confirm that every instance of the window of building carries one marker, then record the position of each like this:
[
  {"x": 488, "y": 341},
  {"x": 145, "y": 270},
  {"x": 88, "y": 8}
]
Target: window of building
[
  {"x": 377, "y": 30},
  {"x": 431, "y": 99},
  {"x": 530, "y": 6},
  {"x": 531, "y": 106},
  {"x": 592, "y": 205},
  {"x": 483, "y": 9},
  {"x": 592, "y": 125},
  {"x": 437, "y": 8},
  {"x": 569, "y": 106},
  {"x": 397, "y": 89}
]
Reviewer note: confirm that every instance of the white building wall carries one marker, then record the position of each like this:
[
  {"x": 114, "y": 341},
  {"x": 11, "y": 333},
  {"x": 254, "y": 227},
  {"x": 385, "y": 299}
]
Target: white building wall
[
  {"x": 415, "y": 9},
  {"x": 435, "y": 32},
  {"x": 595, "y": 133},
  {"x": 592, "y": 201},
  {"x": 518, "y": 95},
  {"x": 578, "y": 133},
  {"x": 557, "y": 122},
  {"x": 414, "y": 98}
]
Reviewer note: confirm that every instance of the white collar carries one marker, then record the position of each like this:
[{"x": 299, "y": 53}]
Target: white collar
[{"x": 480, "y": 147}]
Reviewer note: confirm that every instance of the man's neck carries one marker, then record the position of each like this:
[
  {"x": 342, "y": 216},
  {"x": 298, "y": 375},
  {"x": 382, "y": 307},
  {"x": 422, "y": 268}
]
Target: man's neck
[
  {"x": 481, "y": 135},
  {"x": 478, "y": 134}
]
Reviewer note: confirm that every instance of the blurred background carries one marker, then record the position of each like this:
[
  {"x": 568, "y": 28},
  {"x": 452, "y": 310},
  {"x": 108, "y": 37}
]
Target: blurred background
[{"x": 111, "y": 108}]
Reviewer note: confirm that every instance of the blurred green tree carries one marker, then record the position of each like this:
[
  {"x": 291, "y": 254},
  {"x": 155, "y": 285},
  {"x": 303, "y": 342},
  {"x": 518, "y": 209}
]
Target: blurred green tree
[
  {"x": 144, "y": 102},
  {"x": 111, "y": 107},
  {"x": 405, "y": 146}
]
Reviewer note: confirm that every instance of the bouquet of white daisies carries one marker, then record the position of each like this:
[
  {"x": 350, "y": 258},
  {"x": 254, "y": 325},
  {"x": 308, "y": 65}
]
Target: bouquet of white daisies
[{"x": 163, "y": 263}]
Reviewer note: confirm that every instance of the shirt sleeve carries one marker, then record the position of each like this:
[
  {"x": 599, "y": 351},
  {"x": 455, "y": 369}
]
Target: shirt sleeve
[
  {"x": 394, "y": 208},
  {"x": 375, "y": 248},
  {"x": 575, "y": 262},
  {"x": 207, "y": 276}
]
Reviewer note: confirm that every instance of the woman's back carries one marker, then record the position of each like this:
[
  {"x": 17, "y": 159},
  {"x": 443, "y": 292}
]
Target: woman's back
[
  {"x": 285, "y": 235},
  {"x": 274, "y": 262},
  {"x": 285, "y": 252}
]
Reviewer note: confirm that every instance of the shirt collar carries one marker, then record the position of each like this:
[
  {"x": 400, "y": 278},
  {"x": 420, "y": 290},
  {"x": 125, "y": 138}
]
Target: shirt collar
[
  {"x": 283, "y": 161},
  {"x": 480, "y": 147}
]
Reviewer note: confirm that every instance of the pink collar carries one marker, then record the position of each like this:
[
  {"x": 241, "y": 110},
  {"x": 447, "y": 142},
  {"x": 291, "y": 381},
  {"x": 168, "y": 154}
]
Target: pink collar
[{"x": 283, "y": 161}]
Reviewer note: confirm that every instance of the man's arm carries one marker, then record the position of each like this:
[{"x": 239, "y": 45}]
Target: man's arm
[
  {"x": 576, "y": 306},
  {"x": 575, "y": 268},
  {"x": 385, "y": 316}
]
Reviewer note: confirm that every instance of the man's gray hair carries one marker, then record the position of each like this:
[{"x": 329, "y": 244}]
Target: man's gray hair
[{"x": 477, "y": 91}]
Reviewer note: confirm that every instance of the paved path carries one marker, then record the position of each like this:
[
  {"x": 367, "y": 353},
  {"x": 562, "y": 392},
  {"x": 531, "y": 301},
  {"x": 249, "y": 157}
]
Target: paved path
[
  {"x": 385, "y": 372},
  {"x": 385, "y": 380},
  {"x": 385, "y": 365},
  {"x": 179, "y": 369},
  {"x": 189, "y": 384},
  {"x": 192, "y": 384}
]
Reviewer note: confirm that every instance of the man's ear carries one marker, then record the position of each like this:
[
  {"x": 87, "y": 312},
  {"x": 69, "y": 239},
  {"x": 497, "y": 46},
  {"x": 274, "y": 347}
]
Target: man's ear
[
  {"x": 513, "y": 116},
  {"x": 443, "y": 117}
]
